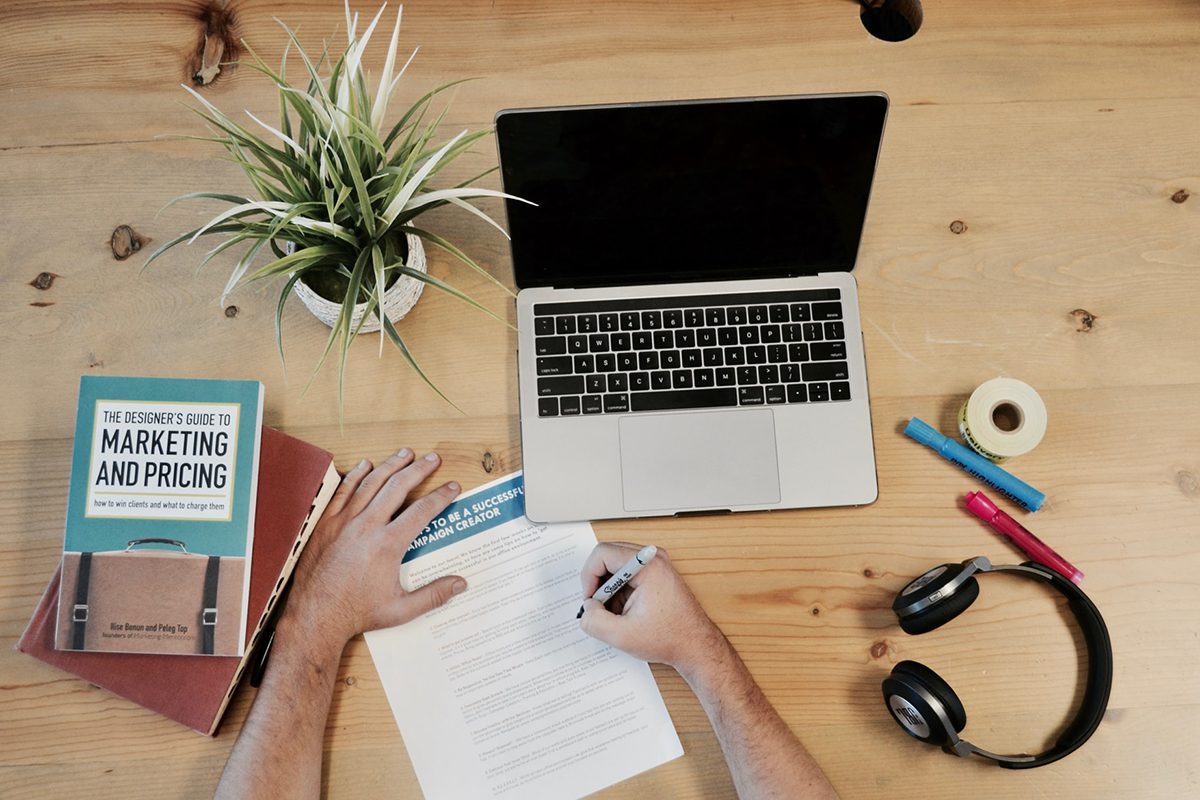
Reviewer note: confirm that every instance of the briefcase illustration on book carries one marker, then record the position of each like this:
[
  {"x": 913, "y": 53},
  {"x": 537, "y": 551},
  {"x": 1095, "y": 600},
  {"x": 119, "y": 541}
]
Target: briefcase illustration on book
[{"x": 151, "y": 601}]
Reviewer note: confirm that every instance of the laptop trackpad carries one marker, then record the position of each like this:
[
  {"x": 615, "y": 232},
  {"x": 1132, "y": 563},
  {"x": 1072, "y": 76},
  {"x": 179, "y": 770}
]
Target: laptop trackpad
[{"x": 714, "y": 460}]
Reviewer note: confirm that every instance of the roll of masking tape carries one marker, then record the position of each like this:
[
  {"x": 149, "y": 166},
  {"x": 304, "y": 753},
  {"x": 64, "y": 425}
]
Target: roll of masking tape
[{"x": 1002, "y": 419}]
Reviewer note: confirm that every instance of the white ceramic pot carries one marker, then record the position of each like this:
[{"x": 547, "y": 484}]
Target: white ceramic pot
[{"x": 398, "y": 299}]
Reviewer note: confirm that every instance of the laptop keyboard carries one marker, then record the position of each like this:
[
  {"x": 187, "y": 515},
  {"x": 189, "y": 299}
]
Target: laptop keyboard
[{"x": 708, "y": 351}]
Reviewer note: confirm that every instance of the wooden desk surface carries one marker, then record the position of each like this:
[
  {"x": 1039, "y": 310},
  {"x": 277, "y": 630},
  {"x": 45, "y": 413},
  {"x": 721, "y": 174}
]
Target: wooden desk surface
[{"x": 1033, "y": 216}]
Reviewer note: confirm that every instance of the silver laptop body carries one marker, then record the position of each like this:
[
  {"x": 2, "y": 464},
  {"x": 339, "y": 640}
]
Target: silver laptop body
[{"x": 598, "y": 440}]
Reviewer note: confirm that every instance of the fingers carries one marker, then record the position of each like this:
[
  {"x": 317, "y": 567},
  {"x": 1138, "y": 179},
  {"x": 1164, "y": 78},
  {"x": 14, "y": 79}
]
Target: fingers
[
  {"x": 600, "y": 623},
  {"x": 434, "y": 594},
  {"x": 348, "y": 486},
  {"x": 422, "y": 510},
  {"x": 371, "y": 484},
  {"x": 605, "y": 559},
  {"x": 391, "y": 495}
]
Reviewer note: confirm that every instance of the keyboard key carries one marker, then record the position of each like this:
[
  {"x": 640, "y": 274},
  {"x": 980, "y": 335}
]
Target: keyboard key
[
  {"x": 778, "y": 313},
  {"x": 673, "y": 318},
  {"x": 596, "y": 384},
  {"x": 577, "y": 344},
  {"x": 598, "y": 342},
  {"x": 735, "y": 356},
  {"x": 639, "y": 381},
  {"x": 568, "y": 406},
  {"x": 789, "y": 373},
  {"x": 756, "y": 354},
  {"x": 620, "y": 341},
  {"x": 825, "y": 311},
  {"x": 643, "y": 340},
  {"x": 726, "y": 376},
  {"x": 714, "y": 357},
  {"x": 606, "y": 362},
  {"x": 584, "y": 364},
  {"x": 694, "y": 398},
  {"x": 554, "y": 365},
  {"x": 747, "y": 376},
  {"x": 797, "y": 352},
  {"x": 777, "y": 353},
  {"x": 543, "y": 326},
  {"x": 748, "y": 334},
  {"x": 547, "y": 406},
  {"x": 706, "y": 337},
  {"x": 685, "y": 338},
  {"x": 736, "y": 315},
  {"x": 609, "y": 323},
  {"x": 669, "y": 359},
  {"x": 567, "y": 384},
  {"x": 615, "y": 403},
  {"x": 715, "y": 317},
  {"x": 793, "y": 333},
  {"x": 618, "y": 382},
  {"x": 818, "y": 392},
  {"x": 797, "y": 393},
  {"x": 776, "y": 394},
  {"x": 727, "y": 336},
  {"x": 664, "y": 340},
  {"x": 592, "y": 404},
  {"x": 660, "y": 380},
  {"x": 626, "y": 362},
  {"x": 550, "y": 345},
  {"x": 691, "y": 358},
  {"x": 768, "y": 374},
  {"x": 693, "y": 317},
  {"x": 588, "y": 323},
  {"x": 703, "y": 378},
  {"x": 827, "y": 351},
  {"x": 681, "y": 379},
  {"x": 651, "y": 320},
  {"x": 835, "y": 330},
  {"x": 758, "y": 314},
  {"x": 630, "y": 321},
  {"x": 812, "y": 332},
  {"x": 648, "y": 361},
  {"x": 769, "y": 334},
  {"x": 800, "y": 312},
  {"x": 839, "y": 390},
  {"x": 564, "y": 325},
  {"x": 825, "y": 371},
  {"x": 750, "y": 395}
]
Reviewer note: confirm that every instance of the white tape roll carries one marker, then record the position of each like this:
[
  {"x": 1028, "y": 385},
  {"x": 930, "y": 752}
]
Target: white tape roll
[{"x": 1002, "y": 419}]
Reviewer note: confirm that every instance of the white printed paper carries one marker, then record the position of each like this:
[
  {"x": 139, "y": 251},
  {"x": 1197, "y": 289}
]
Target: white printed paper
[{"x": 499, "y": 694}]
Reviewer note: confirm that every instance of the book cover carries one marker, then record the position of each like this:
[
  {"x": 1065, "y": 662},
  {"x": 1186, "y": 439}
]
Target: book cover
[
  {"x": 296, "y": 481},
  {"x": 160, "y": 516}
]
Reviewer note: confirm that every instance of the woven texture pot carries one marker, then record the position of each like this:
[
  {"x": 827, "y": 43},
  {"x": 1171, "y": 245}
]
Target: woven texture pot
[{"x": 398, "y": 299}]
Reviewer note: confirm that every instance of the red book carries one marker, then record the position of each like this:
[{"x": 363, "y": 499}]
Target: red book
[{"x": 295, "y": 482}]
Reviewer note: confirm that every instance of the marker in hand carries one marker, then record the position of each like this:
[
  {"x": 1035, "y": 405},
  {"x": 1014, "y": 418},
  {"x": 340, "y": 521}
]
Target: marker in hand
[{"x": 623, "y": 576}]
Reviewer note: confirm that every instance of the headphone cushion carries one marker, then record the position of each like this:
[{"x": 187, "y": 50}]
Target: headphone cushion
[
  {"x": 942, "y": 611},
  {"x": 934, "y": 684}
]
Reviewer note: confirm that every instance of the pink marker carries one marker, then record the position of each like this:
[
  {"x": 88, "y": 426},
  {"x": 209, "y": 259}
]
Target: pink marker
[{"x": 1037, "y": 550}]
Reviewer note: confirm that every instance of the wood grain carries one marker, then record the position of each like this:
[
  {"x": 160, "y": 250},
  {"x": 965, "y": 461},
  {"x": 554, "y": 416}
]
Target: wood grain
[{"x": 1039, "y": 168}]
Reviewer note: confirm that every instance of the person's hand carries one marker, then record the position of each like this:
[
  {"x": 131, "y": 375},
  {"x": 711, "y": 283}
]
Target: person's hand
[
  {"x": 348, "y": 579},
  {"x": 655, "y": 617}
]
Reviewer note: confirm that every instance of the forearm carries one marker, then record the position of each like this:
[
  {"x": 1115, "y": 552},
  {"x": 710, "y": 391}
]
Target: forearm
[
  {"x": 764, "y": 756},
  {"x": 278, "y": 753}
]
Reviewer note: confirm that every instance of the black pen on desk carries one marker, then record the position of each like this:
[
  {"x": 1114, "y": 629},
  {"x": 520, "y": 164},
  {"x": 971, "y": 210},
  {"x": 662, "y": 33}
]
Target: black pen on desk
[{"x": 623, "y": 576}]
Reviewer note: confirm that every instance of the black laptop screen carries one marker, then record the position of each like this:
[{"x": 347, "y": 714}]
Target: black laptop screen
[{"x": 709, "y": 190}]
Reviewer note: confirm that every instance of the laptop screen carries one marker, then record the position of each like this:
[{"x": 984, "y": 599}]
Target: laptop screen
[{"x": 688, "y": 191}]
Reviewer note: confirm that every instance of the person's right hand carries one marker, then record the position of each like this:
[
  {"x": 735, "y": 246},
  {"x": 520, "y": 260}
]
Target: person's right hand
[{"x": 660, "y": 619}]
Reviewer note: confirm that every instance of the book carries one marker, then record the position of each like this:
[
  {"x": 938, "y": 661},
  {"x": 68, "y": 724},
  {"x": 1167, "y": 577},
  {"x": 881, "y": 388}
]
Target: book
[
  {"x": 295, "y": 483},
  {"x": 158, "y": 547}
]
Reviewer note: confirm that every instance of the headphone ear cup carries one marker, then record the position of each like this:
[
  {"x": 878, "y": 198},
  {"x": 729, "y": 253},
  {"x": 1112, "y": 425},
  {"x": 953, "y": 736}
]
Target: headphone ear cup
[
  {"x": 943, "y": 610},
  {"x": 911, "y": 710},
  {"x": 933, "y": 683}
]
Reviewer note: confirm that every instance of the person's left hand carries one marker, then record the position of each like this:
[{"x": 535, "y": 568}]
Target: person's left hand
[{"x": 348, "y": 579}]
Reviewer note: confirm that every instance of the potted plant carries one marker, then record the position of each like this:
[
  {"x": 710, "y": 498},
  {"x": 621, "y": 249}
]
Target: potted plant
[{"x": 338, "y": 193}]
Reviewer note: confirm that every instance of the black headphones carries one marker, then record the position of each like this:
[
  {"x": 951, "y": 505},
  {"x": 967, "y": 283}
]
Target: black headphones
[{"x": 925, "y": 705}]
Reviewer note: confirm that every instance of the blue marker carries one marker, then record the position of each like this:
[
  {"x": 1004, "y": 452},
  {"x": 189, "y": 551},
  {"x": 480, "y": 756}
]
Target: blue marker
[{"x": 1008, "y": 485}]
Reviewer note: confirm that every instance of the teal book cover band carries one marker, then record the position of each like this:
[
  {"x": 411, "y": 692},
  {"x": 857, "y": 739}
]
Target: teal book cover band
[{"x": 160, "y": 516}]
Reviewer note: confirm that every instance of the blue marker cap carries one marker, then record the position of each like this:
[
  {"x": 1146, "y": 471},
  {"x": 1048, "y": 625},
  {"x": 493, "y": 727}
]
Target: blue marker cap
[{"x": 998, "y": 478}]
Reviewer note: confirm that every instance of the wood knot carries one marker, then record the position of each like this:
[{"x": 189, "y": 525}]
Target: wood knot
[
  {"x": 217, "y": 44},
  {"x": 351, "y": 680},
  {"x": 958, "y": 226},
  {"x": 868, "y": 572},
  {"x": 816, "y": 611},
  {"x": 1084, "y": 320},
  {"x": 489, "y": 462},
  {"x": 1187, "y": 483},
  {"x": 125, "y": 241},
  {"x": 41, "y": 304},
  {"x": 94, "y": 362},
  {"x": 1180, "y": 197},
  {"x": 879, "y": 649},
  {"x": 231, "y": 311},
  {"x": 43, "y": 281}
]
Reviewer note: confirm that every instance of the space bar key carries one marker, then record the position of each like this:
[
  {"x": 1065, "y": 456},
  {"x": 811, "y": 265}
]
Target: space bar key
[{"x": 693, "y": 398}]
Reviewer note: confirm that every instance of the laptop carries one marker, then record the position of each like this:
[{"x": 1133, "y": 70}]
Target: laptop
[{"x": 688, "y": 325}]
